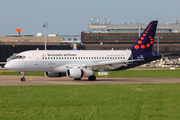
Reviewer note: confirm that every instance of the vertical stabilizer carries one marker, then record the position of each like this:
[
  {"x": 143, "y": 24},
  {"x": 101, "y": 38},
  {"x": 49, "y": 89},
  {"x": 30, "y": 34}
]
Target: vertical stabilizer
[{"x": 146, "y": 40}]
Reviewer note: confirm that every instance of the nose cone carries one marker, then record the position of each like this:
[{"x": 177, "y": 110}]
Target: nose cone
[{"x": 7, "y": 66}]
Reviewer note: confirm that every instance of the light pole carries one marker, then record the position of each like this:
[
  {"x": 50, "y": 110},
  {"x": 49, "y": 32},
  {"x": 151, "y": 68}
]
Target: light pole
[
  {"x": 158, "y": 42},
  {"x": 139, "y": 28},
  {"x": 45, "y": 26}
]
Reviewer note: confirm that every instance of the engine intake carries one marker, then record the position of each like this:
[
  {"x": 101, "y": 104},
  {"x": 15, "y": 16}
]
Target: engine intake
[
  {"x": 79, "y": 73},
  {"x": 54, "y": 74}
]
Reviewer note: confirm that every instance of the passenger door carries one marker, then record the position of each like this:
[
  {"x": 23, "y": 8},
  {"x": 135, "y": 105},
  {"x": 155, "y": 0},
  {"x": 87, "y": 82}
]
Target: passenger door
[{"x": 36, "y": 58}]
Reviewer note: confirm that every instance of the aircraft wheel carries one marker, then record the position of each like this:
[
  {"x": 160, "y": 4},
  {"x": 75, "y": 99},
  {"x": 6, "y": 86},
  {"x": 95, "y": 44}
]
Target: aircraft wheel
[
  {"x": 23, "y": 79},
  {"x": 77, "y": 78},
  {"x": 92, "y": 78}
]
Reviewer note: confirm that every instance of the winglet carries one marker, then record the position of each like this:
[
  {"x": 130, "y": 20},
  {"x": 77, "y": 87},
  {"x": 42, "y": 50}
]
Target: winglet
[{"x": 145, "y": 42}]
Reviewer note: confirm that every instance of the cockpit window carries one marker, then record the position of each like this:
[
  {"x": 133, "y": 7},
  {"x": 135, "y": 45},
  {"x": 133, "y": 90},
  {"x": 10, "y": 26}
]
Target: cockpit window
[{"x": 19, "y": 57}]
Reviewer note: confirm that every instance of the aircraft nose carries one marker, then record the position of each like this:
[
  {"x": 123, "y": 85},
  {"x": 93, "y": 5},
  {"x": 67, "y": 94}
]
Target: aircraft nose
[{"x": 7, "y": 66}]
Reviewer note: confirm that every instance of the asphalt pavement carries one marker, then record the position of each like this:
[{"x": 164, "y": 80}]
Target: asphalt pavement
[{"x": 13, "y": 80}]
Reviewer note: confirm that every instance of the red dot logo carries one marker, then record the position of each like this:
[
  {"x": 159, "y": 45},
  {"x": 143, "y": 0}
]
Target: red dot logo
[
  {"x": 144, "y": 34},
  {"x": 136, "y": 46},
  {"x": 151, "y": 42},
  {"x": 148, "y": 45},
  {"x": 142, "y": 38},
  {"x": 149, "y": 36},
  {"x": 146, "y": 31},
  {"x": 151, "y": 39},
  {"x": 142, "y": 46},
  {"x": 139, "y": 42}
]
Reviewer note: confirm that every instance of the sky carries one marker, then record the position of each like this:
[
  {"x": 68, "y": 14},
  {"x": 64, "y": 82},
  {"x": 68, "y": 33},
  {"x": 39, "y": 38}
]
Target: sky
[{"x": 71, "y": 17}]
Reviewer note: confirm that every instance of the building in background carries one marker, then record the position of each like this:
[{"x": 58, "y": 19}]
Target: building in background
[
  {"x": 122, "y": 36},
  {"x": 13, "y": 44}
]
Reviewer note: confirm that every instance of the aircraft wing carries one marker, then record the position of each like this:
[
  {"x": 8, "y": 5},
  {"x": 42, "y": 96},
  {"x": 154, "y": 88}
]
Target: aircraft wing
[{"x": 104, "y": 65}]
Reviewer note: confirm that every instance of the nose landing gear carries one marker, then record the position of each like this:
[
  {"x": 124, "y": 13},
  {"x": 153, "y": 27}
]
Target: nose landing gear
[{"x": 23, "y": 76}]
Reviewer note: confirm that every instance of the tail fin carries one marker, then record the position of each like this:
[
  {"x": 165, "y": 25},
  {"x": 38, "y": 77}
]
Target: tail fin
[
  {"x": 74, "y": 46},
  {"x": 146, "y": 40}
]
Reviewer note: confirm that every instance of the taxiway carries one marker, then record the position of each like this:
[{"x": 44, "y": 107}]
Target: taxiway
[{"x": 12, "y": 80}]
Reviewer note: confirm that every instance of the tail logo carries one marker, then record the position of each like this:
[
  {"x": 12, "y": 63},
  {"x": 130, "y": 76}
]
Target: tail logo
[{"x": 142, "y": 42}]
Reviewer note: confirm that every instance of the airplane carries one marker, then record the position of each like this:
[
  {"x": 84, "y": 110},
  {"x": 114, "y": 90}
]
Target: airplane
[{"x": 79, "y": 64}]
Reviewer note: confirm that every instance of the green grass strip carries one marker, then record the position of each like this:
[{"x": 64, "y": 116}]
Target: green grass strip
[
  {"x": 165, "y": 73},
  {"x": 91, "y": 102},
  {"x": 145, "y": 73}
]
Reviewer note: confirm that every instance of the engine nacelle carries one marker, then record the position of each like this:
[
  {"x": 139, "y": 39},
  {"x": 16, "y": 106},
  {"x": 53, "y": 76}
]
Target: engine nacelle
[
  {"x": 54, "y": 74},
  {"x": 79, "y": 73}
]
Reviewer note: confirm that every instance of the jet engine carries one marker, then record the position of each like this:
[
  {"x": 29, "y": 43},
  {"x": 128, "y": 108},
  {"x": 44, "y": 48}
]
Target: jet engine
[
  {"x": 79, "y": 73},
  {"x": 54, "y": 74}
]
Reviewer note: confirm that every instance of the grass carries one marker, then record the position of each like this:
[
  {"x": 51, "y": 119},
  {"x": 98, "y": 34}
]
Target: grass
[
  {"x": 145, "y": 73},
  {"x": 133, "y": 73},
  {"x": 91, "y": 102}
]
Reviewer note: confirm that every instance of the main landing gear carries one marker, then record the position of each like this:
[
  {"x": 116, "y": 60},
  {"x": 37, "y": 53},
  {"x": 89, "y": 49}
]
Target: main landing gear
[
  {"x": 23, "y": 76},
  {"x": 92, "y": 78}
]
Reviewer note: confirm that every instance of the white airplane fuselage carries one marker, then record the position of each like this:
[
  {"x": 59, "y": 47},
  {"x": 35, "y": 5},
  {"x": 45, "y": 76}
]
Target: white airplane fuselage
[{"x": 61, "y": 60}]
